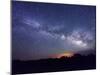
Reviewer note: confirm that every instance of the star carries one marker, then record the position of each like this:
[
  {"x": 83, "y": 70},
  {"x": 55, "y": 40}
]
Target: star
[{"x": 63, "y": 37}]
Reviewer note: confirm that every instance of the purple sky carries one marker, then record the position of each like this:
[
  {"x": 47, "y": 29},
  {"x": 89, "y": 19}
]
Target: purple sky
[{"x": 40, "y": 30}]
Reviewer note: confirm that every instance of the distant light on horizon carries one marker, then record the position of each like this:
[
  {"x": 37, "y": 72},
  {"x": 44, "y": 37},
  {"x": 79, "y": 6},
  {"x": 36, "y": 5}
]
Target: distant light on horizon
[{"x": 66, "y": 54}]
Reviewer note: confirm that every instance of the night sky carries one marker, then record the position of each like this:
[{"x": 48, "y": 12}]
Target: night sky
[{"x": 42, "y": 30}]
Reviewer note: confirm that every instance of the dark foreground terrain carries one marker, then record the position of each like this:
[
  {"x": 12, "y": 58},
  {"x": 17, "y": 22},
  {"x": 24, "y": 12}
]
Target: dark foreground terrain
[{"x": 77, "y": 62}]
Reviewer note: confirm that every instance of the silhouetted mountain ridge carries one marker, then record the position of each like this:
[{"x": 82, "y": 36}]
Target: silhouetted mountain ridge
[
  {"x": 77, "y": 62},
  {"x": 87, "y": 52}
]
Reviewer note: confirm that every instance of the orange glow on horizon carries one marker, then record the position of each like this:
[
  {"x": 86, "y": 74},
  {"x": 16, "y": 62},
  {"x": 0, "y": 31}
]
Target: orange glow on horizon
[{"x": 66, "y": 54}]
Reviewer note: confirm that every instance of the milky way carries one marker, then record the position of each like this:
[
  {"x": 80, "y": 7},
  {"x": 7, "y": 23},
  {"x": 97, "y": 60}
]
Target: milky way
[{"x": 40, "y": 30}]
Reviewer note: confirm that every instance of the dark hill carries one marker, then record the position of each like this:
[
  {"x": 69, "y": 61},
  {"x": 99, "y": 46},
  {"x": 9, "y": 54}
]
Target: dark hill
[{"x": 77, "y": 62}]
